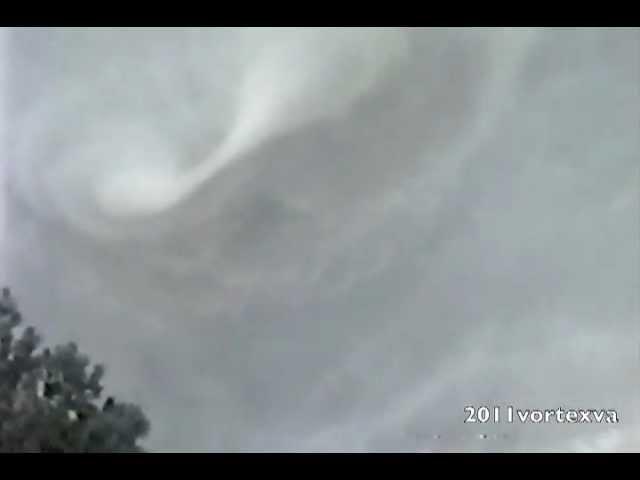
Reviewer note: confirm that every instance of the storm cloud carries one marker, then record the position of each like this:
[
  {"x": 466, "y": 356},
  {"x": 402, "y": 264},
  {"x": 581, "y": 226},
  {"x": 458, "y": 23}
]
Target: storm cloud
[{"x": 334, "y": 239}]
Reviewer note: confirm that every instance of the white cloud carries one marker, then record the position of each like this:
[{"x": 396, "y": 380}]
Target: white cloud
[{"x": 463, "y": 232}]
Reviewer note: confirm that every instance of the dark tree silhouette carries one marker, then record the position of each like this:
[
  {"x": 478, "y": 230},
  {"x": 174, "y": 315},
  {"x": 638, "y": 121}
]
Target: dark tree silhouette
[{"x": 49, "y": 399}]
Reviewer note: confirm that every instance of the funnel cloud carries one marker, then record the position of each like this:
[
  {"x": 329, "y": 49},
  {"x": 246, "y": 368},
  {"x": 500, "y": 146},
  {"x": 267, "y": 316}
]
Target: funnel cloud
[{"x": 334, "y": 239}]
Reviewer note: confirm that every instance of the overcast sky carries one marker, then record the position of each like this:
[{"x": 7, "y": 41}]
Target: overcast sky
[{"x": 334, "y": 239}]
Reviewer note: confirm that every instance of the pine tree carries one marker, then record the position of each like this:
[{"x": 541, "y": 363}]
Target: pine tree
[{"x": 49, "y": 400}]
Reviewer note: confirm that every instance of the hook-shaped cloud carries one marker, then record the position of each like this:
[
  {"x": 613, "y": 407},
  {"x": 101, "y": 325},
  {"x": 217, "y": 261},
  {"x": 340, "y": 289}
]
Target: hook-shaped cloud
[{"x": 294, "y": 77}]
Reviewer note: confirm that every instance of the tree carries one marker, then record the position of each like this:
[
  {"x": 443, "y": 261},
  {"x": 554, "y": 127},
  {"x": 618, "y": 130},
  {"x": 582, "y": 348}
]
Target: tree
[{"x": 50, "y": 401}]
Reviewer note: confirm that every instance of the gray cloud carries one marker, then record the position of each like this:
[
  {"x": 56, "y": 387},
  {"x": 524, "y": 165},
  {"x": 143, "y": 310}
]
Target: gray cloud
[{"x": 464, "y": 233}]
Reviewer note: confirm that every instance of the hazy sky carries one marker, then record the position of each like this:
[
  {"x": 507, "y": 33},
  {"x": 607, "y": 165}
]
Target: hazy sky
[{"x": 334, "y": 239}]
